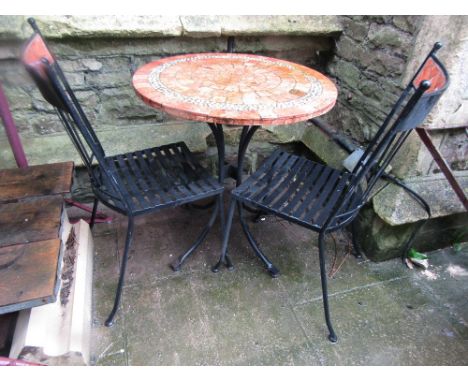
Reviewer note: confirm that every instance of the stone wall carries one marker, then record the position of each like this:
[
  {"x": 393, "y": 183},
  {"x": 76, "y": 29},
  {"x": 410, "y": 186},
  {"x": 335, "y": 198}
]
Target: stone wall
[
  {"x": 369, "y": 58},
  {"x": 374, "y": 59},
  {"x": 99, "y": 55},
  {"x": 370, "y": 61}
]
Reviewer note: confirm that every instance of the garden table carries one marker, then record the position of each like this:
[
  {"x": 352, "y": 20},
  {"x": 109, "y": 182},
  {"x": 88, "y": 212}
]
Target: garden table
[{"x": 233, "y": 89}]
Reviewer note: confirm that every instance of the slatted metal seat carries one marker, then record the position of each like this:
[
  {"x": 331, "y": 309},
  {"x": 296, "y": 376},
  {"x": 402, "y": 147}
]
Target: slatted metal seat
[
  {"x": 155, "y": 178},
  {"x": 297, "y": 189},
  {"x": 132, "y": 183},
  {"x": 325, "y": 199}
]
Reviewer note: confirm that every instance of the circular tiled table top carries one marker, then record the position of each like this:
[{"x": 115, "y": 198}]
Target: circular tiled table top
[{"x": 236, "y": 89}]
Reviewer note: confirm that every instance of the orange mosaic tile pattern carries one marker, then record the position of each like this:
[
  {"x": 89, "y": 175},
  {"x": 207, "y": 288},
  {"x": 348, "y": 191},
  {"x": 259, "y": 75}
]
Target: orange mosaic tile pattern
[{"x": 235, "y": 89}]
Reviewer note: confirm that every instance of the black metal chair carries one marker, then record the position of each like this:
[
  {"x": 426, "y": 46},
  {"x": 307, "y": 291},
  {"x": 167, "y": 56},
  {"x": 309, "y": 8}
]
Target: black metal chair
[
  {"x": 325, "y": 199},
  {"x": 133, "y": 183}
]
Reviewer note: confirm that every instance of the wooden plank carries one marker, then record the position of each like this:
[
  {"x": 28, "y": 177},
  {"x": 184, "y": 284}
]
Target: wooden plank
[
  {"x": 30, "y": 220},
  {"x": 47, "y": 179},
  {"x": 28, "y": 275}
]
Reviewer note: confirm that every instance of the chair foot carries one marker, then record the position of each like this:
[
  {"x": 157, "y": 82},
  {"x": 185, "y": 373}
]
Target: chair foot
[
  {"x": 109, "y": 322},
  {"x": 215, "y": 268},
  {"x": 176, "y": 265},
  {"x": 273, "y": 271},
  {"x": 332, "y": 337},
  {"x": 229, "y": 264}
]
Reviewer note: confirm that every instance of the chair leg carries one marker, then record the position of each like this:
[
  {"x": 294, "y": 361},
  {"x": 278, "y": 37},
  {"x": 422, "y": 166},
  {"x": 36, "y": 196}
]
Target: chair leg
[
  {"x": 323, "y": 275},
  {"x": 221, "y": 211},
  {"x": 110, "y": 319},
  {"x": 93, "y": 215},
  {"x": 356, "y": 248},
  {"x": 227, "y": 230},
  {"x": 222, "y": 220}
]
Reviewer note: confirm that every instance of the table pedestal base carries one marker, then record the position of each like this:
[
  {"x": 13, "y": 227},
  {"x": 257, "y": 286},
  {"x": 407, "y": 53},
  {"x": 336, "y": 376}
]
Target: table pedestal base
[
  {"x": 245, "y": 138},
  {"x": 235, "y": 172}
]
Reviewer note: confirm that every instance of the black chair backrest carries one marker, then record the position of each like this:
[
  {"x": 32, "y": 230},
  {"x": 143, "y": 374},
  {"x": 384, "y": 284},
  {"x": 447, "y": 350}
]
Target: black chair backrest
[
  {"x": 413, "y": 106},
  {"x": 49, "y": 78}
]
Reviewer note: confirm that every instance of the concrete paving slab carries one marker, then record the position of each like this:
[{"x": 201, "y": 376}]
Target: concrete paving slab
[
  {"x": 249, "y": 315},
  {"x": 108, "y": 345},
  {"x": 388, "y": 324},
  {"x": 166, "y": 325},
  {"x": 384, "y": 313}
]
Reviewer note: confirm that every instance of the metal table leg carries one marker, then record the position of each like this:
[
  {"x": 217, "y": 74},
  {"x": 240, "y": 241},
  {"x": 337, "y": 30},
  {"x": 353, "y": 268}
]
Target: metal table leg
[
  {"x": 217, "y": 130},
  {"x": 246, "y": 136}
]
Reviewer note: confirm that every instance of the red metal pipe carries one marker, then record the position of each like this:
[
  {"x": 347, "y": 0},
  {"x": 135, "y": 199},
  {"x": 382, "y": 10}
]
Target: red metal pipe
[
  {"x": 426, "y": 139},
  {"x": 12, "y": 132}
]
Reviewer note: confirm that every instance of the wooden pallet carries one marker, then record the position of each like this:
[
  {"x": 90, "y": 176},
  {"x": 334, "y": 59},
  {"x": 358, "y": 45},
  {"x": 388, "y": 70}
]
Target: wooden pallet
[
  {"x": 31, "y": 215},
  {"x": 41, "y": 180}
]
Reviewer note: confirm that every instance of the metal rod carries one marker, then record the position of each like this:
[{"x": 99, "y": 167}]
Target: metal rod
[
  {"x": 246, "y": 136},
  {"x": 274, "y": 272},
  {"x": 323, "y": 277},
  {"x": 223, "y": 258},
  {"x": 177, "y": 264},
  {"x": 426, "y": 139},
  {"x": 217, "y": 130},
  {"x": 110, "y": 320},
  {"x": 333, "y": 135},
  {"x": 11, "y": 131}
]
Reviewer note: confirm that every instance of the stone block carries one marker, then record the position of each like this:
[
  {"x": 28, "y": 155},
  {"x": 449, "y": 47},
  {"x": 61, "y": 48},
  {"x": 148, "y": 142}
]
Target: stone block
[
  {"x": 11, "y": 27},
  {"x": 13, "y": 75},
  {"x": 122, "y": 26},
  {"x": 80, "y": 65},
  {"x": 323, "y": 147},
  {"x": 102, "y": 80},
  {"x": 121, "y": 105},
  {"x": 349, "y": 50},
  {"x": 355, "y": 29},
  {"x": 76, "y": 80},
  {"x": 208, "y": 26},
  {"x": 286, "y": 133},
  {"x": 381, "y": 241},
  {"x": 395, "y": 207},
  {"x": 386, "y": 36},
  {"x": 32, "y": 123},
  {"x": 88, "y": 99},
  {"x": 279, "y": 25},
  {"x": 379, "y": 19},
  {"x": 18, "y": 98},
  {"x": 9, "y": 50},
  {"x": 91, "y": 64},
  {"x": 131, "y": 26},
  {"x": 454, "y": 149},
  {"x": 346, "y": 72},
  {"x": 404, "y": 163},
  {"x": 57, "y": 147},
  {"x": 201, "y": 26},
  {"x": 383, "y": 63},
  {"x": 346, "y": 121},
  {"x": 409, "y": 24}
]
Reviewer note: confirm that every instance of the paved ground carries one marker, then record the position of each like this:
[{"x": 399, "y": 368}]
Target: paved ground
[{"x": 384, "y": 314}]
